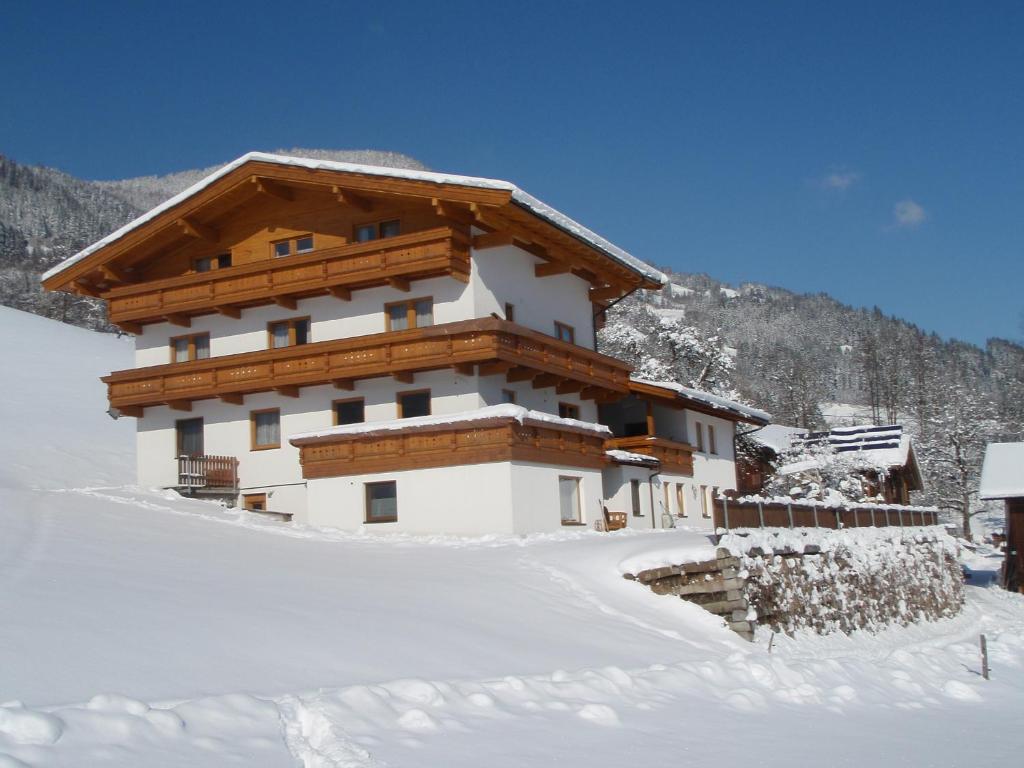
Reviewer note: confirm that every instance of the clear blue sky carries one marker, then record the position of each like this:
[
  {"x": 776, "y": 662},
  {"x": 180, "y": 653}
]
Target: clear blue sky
[{"x": 874, "y": 152}]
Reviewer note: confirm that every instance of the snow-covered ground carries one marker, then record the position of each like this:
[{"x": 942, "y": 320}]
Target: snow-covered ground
[{"x": 138, "y": 628}]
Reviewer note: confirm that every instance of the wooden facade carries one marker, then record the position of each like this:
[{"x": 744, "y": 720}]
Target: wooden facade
[
  {"x": 447, "y": 445},
  {"x": 497, "y": 346},
  {"x": 675, "y": 458}
]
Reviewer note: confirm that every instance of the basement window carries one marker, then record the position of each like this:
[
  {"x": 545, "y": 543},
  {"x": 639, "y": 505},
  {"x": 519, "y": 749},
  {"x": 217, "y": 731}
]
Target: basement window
[
  {"x": 382, "y": 502},
  {"x": 254, "y": 502}
]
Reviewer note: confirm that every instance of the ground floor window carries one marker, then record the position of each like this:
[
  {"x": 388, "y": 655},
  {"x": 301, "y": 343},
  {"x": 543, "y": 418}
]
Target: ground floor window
[
  {"x": 255, "y": 502},
  {"x": 265, "y": 429},
  {"x": 704, "y": 511},
  {"x": 681, "y": 499},
  {"x": 382, "y": 502},
  {"x": 569, "y": 500},
  {"x": 634, "y": 495}
]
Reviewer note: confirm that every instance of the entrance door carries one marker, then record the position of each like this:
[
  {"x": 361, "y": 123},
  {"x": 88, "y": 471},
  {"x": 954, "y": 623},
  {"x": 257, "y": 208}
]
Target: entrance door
[{"x": 190, "y": 437}]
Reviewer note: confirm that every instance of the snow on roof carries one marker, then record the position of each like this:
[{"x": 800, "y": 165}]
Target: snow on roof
[
  {"x": 1002, "y": 474},
  {"x": 777, "y": 437},
  {"x": 714, "y": 401},
  {"x": 519, "y": 197},
  {"x": 505, "y": 411},
  {"x": 881, "y": 446},
  {"x": 628, "y": 457}
]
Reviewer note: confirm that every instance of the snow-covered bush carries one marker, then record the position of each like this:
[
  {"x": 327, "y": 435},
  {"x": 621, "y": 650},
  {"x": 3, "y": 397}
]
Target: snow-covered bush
[{"x": 815, "y": 470}]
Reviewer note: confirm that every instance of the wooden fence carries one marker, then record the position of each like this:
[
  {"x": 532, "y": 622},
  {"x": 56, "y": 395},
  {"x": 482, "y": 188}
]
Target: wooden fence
[
  {"x": 746, "y": 513},
  {"x": 209, "y": 472}
]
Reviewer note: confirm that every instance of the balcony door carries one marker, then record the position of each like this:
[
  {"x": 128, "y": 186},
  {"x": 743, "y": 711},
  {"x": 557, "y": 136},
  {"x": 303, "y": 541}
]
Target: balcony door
[{"x": 190, "y": 437}]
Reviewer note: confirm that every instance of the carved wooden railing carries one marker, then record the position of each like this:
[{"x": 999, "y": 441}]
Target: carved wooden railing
[
  {"x": 208, "y": 472},
  {"x": 732, "y": 513},
  {"x": 466, "y": 343},
  {"x": 675, "y": 458},
  {"x": 431, "y": 253}
]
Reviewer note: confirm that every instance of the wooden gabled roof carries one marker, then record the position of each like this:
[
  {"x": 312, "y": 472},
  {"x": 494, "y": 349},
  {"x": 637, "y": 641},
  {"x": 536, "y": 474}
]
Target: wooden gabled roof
[{"x": 498, "y": 208}]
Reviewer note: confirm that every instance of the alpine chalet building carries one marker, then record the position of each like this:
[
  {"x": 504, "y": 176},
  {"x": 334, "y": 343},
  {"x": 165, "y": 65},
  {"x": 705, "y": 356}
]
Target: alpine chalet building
[{"x": 353, "y": 346}]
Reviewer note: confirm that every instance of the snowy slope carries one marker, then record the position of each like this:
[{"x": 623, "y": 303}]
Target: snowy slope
[{"x": 142, "y": 629}]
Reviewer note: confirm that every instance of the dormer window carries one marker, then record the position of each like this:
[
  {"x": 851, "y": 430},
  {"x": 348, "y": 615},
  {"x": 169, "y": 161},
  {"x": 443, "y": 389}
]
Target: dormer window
[
  {"x": 378, "y": 230},
  {"x": 207, "y": 263},
  {"x": 292, "y": 245}
]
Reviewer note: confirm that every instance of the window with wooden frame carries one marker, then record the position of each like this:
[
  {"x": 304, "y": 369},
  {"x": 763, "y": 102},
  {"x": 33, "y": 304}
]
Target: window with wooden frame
[
  {"x": 288, "y": 333},
  {"x": 704, "y": 502},
  {"x": 569, "y": 500},
  {"x": 189, "y": 436},
  {"x": 412, "y": 404},
  {"x": 568, "y": 411},
  {"x": 712, "y": 445},
  {"x": 634, "y": 498},
  {"x": 510, "y": 312},
  {"x": 699, "y": 429},
  {"x": 382, "y": 502},
  {"x": 195, "y": 346},
  {"x": 351, "y": 410},
  {"x": 681, "y": 499},
  {"x": 377, "y": 230},
  {"x": 265, "y": 429},
  {"x": 508, "y": 396},
  {"x": 412, "y": 313},
  {"x": 208, "y": 263},
  {"x": 291, "y": 246},
  {"x": 254, "y": 502},
  {"x": 565, "y": 333}
]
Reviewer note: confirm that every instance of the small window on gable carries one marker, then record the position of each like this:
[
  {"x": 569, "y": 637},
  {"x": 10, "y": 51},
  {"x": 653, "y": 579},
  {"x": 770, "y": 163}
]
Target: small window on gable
[
  {"x": 390, "y": 228},
  {"x": 565, "y": 333},
  {"x": 379, "y": 229},
  {"x": 412, "y": 404},
  {"x": 349, "y": 411},
  {"x": 508, "y": 396},
  {"x": 304, "y": 244},
  {"x": 300, "y": 244},
  {"x": 288, "y": 333},
  {"x": 568, "y": 411},
  {"x": 208, "y": 263}
]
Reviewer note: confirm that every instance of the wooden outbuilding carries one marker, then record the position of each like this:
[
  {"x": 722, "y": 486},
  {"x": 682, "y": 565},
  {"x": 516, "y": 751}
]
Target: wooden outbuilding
[{"x": 1002, "y": 478}]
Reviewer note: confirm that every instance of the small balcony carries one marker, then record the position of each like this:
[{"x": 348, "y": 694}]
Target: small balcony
[
  {"x": 488, "y": 346},
  {"x": 676, "y": 458},
  {"x": 209, "y": 475},
  {"x": 395, "y": 260}
]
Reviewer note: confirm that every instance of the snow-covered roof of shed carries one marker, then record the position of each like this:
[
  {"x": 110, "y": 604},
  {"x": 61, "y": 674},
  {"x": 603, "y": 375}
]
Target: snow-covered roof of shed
[
  {"x": 1002, "y": 474},
  {"x": 777, "y": 437},
  {"x": 714, "y": 401},
  {"x": 521, "y": 198},
  {"x": 490, "y": 412},
  {"x": 882, "y": 446}
]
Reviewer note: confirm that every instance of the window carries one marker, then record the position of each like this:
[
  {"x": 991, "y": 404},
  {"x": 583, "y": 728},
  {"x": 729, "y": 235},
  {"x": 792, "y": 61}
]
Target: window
[
  {"x": 508, "y": 396},
  {"x": 712, "y": 447},
  {"x": 265, "y": 428},
  {"x": 569, "y": 500},
  {"x": 349, "y": 411},
  {"x": 414, "y": 313},
  {"x": 377, "y": 230},
  {"x": 510, "y": 312},
  {"x": 681, "y": 499},
  {"x": 193, "y": 347},
  {"x": 207, "y": 263},
  {"x": 568, "y": 411},
  {"x": 634, "y": 496},
  {"x": 704, "y": 501},
  {"x": 189, "y": 434},
  {"x": 700, "y": 436},
  {"x": 411, "y": 404},
  {"x": 301, "y": 244},
  {"x": 254, "y": 502},
  {"x": 565, "y": 333},
  {"x": 288, "y": 333},
  {"x": 382, "y": 502}
]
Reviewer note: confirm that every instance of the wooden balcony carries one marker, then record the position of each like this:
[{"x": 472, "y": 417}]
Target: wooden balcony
[
  {"x": 211, "y": 474},
  {"x": 446, "y": 445},
  {"x": 676, "y": 458},
  {"x": 496, "y": 346},
  {"x": 395, "y": 260}
]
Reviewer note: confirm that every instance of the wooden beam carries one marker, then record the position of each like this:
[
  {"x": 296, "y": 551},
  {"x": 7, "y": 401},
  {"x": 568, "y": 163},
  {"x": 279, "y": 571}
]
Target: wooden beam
[
  {"x": 546, "y": 380},
  {"x": 233, "y": 399},
  {"x": 83, "y": 287},
  {"x": 591, "y": 393},
  {"x": 492, "y": 369},
  {"x": 450, "y": 211},
  {"x": 552, "y": 268},
  {"x": 399, "y": 284},
  {"x": 135, "y": 411},
  {"x": 567, "y": 386},
  {"x": 193, "y": 228},
  {"x": 347, "y": 197},
  {"x": 346, "y": 385},
  {"x": 338, "y": 292},
  {"x": 520, "y": 374},
  {"x": 288, "y": 302},
  {"x": 228, "y": 311},
  {"x": 466, "y": 369},
  {"x": 175, "y": 318},
  {"x": 127, "y": 327},
  {"x": 272, "y": 189},
  {"x": 605, "y": 293},
  {"x": 287, "y": 391},
  {"x": 180, "y": 405},
  {"x": 114, "y": 274},
  {"x": 403, "y": 376},
  {"x": 491, "y": 240}
]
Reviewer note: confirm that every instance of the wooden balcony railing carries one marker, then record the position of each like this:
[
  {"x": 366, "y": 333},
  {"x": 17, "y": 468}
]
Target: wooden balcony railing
[
  {"x": 208, "y": 473},
  {"x": 676, "y": 458},
  {"x": 415, "y": 256},
  {"x": 732, "y": 513},
  {"x": 496, "y": 345}
]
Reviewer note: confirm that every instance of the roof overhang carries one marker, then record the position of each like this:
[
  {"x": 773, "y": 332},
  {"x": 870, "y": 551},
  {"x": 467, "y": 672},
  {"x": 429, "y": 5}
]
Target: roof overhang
[{"x": 719, "y": 407}]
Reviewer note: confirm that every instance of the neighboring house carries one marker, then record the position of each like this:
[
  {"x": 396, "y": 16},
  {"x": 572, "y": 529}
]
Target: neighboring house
[
  {"x": 1002, "y": 478},
  {"x": 883, "y": 456},
  {"x": 348, "y": 345}
]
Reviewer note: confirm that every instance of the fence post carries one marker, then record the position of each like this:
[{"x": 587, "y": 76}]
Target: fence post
[
  {"x": 839, "y": 521},
  {"x": 814, "y": 507},
  {"x": 760, "y": 513},
  {"x": 873, "y": 518},
  {"x": 886, "y": 517},
  {"x": 789, "y": 509},
  {"x": 725, "y": 512},
  {"x": 900, "y": 515}
]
